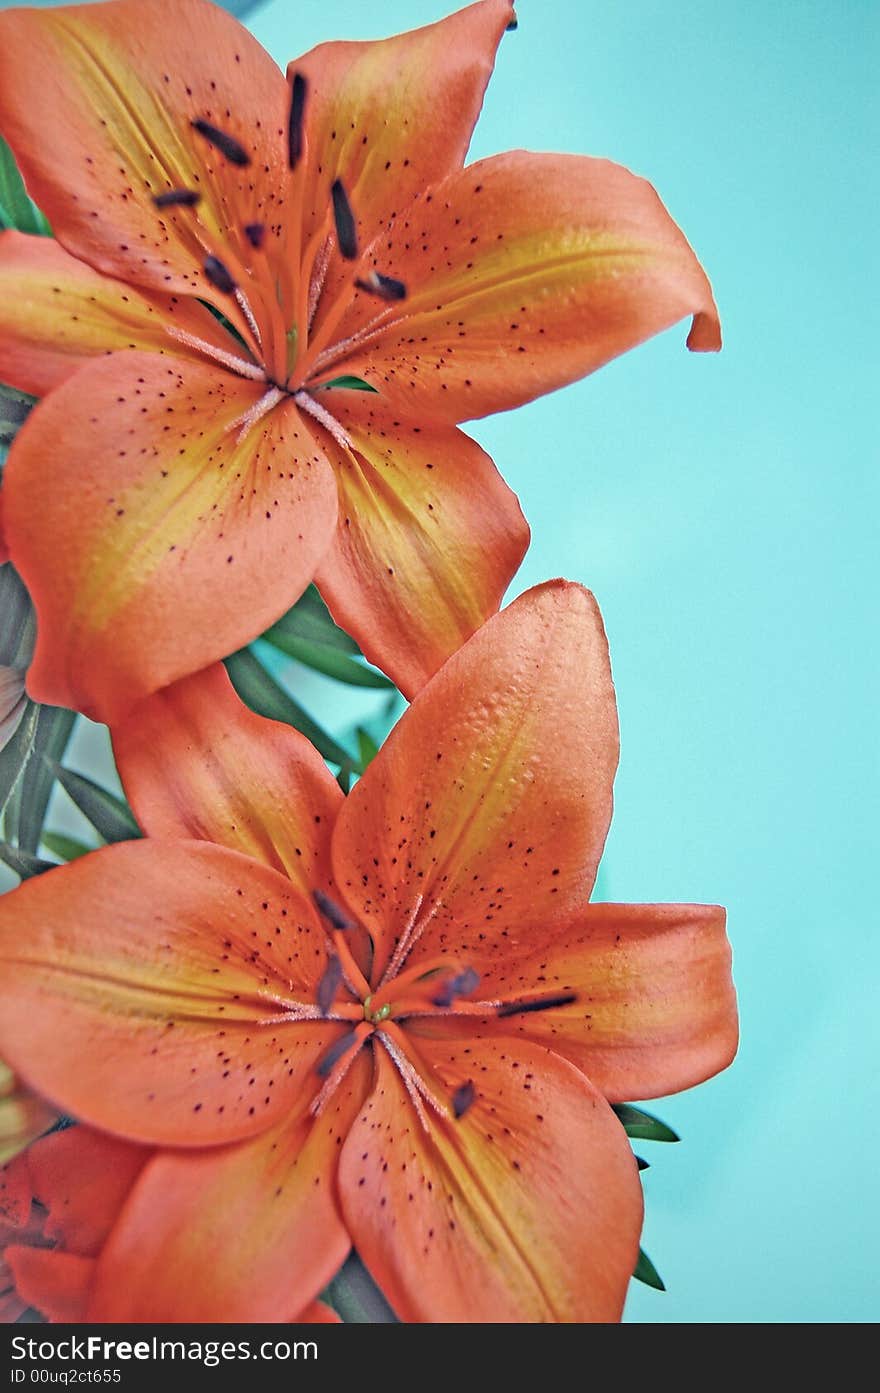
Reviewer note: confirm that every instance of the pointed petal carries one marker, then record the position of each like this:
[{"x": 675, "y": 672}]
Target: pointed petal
[
  {"x": 248, "y": 1233},
  {"x": 83, "y": 1179},
  {"x": 428, "y": 537},
  {"x": 512, "y": 294},
  {"x": 388, "y": 117},
  {"x": 113, "y": 129},
  {"x": 528, "y": 1208},
  {"x": 55, "y": 1284},
  {"x": 655, "y": 1009},
  {"x": 23, "y": 1116},
  {"x": 195, "y": 762},
  {"x": 56, "y": 312},
  {"x": 144, "y": 990},
  {"x": 162, "y": 542},
  {"x": 486, "y": 810}
]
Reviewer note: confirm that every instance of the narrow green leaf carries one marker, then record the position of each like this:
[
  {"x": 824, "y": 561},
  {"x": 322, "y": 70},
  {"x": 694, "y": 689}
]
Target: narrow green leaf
[
  {"x": 354, "y": 1295},
  {"x": 16, "y": 208},
  {"x": 23, "y": 862},
  {"x": 67, "y": 848},
  {"x": 268, "y": 698},
  {"x": 324, "y": 658},
  {"x": 642, "y": 1164},
  {"x": 13, "y": 759},
  {"x": 111, "y": 818},
  {"x": 17, "y": 623},
  {"x": 54, "y": 727},
  {"x": 350, "y": 384},
  {"x": 367, "y": 747},
  {"x": 310, "y": 619},
  {"x": 344, "y": 777},
  {"x": 646, "y": 1272},
  {"x": 643, "y": 1125}
]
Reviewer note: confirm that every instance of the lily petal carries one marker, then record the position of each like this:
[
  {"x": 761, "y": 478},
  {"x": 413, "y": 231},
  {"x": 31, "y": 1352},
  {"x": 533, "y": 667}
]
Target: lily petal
[
  {"x": 113, "y": 130},
  {"x": 196, "y": 763},
  {"x": 153, "y": 509},
  {"x": 654, "y": 1009},
  {"x": 486, "y": 810},
  {"x": 247, "y": 1233},
  {"x": 147, "y": 990},
  {"x": 388, "y": 117},
  {"x": 53, "y": 1283},
  {"x": 427, "y": 539},
  {"x": 56, "y": 312},
  {"x": 526, "y": 1209},
  {"x": 529, "y": 271},
  {"x": 83, "y": 1179}
]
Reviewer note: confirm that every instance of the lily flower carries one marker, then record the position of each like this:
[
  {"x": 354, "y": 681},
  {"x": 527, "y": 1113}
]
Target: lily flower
[
  {"x": 239, "y": 252},
  {"x": 58, "y": 1205},
  {"x": 391, "y": 1019}
]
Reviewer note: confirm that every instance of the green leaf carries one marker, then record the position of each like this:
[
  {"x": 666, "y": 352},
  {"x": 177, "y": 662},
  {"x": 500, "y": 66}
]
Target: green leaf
[
  {"x": 367, "y": 747},
  {"x": 53, "y": 730},
  {"x": 23, "y": 863},
  {"x": 327, "y": 659},
  {"x": 646, "y": 1272},
  {"x": 110, "y": 816},
  {"x": 344, "y": 777},
  {"x": 67, "y": 848},
  {"x": 642, "y": 1164},
  {"x": 14, "y": 757},
  {"x": 349, "y": 384},
  {"x": 354, "y": 1295},
  {"x": 16, "y": 209},
  {"x": 268, "y": 698},
  {"x": 17, "y": 622},
  {"x": 643, "y": 1125},
  {"x": 310, "y": 619},
  {"x": 15, "y": 408}
]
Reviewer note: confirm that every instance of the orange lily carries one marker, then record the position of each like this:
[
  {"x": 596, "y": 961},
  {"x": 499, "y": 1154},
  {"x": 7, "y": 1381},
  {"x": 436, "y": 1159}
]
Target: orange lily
[
  {"x": 58, "y": 1205},
  {"x": 167, "y": 502},
  {"x": 390, "y": 1019}
]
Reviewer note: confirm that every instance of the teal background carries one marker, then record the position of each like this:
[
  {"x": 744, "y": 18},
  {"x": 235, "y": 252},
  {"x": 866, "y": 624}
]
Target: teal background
[{"x": 724, "y": 511}]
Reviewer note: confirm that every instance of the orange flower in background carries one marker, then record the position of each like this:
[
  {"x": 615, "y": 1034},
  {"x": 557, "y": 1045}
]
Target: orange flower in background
[
  {"x": 390, "y": 1019},
  {"x": 167, "y": 502},
  {"x": 58, "y": 1204}
]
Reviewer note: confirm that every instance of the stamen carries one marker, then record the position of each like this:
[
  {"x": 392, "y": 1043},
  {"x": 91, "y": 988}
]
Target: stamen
[
  {"x": 463, "y": 1098},
  {"x": 218, "y": 275},
  {"x": 295, "y": 121},
  {"x": 538, "y": 1003},
  {"x": 320, "y": 413},
  {"x": 386, "y": 287},
  {"x": 187, "y": 198},
  {"x": 329, "y": 986},
  {"x": 256, "y": 412},
  {"x": 346, "y": 228},
  {"x": 334, "y": 1053},
  {"x": 219, "y": 355},
  {"x": 249, "y": 316},
  {"x": 225, "y": 143},
  {"x": 331, "y": 911},
  {"x": 255, "y": 232},
  {"x": 461, "y": 985}
]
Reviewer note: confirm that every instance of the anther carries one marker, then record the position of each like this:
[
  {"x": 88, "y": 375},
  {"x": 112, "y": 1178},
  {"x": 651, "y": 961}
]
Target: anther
[
  {"x": 329, "y": 986},
  {"x": 538, "y": 1003},
  {"x": 461, "y": 985},
  {"x": 185, "y": 198},
  {"x": 334, "y": 1053},
  {"x": 463, "y": 1098},
  {"x": 255, "y": 232},
  {"x": 218, "y": 275},
  {"x": 346, "y": 230},
  {"x": 295, "y": 121},
  {"x": 385, "y": 287},
  {"x": 330, "y": 910},
  {"x": 226, "y": 144}
]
